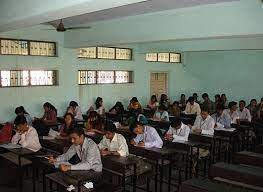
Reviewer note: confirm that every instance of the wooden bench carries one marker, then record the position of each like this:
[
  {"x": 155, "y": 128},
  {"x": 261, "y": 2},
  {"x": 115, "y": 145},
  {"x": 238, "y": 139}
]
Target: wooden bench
[{"x": 248, "y": 158}]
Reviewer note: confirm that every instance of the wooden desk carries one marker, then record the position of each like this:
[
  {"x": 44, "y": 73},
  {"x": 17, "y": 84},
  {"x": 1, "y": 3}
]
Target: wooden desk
[
  {"x": 125, "y": 131},
  {"x": 238, "y": 173},
  {"x": 248, "y": 158},
  {"x": 259, "y": 149},
  {"x": 56, "y": 145}
]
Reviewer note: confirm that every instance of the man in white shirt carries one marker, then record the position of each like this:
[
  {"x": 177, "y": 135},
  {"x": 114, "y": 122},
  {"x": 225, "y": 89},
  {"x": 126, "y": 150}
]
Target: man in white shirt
[
  {"x": 26, "y": 136},
  {"x": 192, "y": 107},
  {"x": 177, "y": 131},
  {"x": 85, "y": 148},
  {"x": 146, "y": 136},
  {"x": 243, "y": 112},
  {"x": 113, "y": 143},
  {"x": 161, "y": 114},
  {"x": 232, "y": 112},
  {"x": 204, "y": 123},
  {"x": 74, "y": 107},
  {"x": 222, "y": 120}
]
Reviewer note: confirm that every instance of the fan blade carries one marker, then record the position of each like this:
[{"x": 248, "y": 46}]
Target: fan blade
[{"x": 76, "y": 28}]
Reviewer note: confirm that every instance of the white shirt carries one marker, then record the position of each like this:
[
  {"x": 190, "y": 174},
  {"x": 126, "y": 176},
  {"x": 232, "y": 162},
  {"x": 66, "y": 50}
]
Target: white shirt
[
  {"x": 180, "y": 134},
  {"x": 28, "y": 139},
  {"x": 118, "y": 143},
  {"x": 163, "y": 116},
  {"x": 150, "y": 137},
  {"x": 234, "y": 116},
  {"x": 207, "y": 125},
  {"x": 77, "y": 113},
  {"x": 192, "y": 109},
  {"x": 245, "y": 114}
]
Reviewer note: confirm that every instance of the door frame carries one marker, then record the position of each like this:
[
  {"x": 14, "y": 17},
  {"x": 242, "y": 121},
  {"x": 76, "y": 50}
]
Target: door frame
[{"x": 167, "y": 80}]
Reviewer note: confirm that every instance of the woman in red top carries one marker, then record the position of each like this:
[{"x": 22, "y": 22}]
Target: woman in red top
[{"x": 50, "y": 114}]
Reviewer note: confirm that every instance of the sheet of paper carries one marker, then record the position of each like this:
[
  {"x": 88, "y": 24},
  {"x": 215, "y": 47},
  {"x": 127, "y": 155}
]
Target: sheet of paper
[{"x": 10, "y": 146}]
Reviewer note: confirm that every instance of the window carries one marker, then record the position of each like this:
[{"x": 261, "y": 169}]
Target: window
[
  {"x": 105, "y": 53},
  {"x": 27, "y": 47},
  {"x": 163, "y": 57},
  {"x": 152, "y": 57},
  {"x": 86, "y": 77},
  {"x": 19, "y": 78}
]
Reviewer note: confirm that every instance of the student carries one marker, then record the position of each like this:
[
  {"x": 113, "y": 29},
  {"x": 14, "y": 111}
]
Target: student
[
  {"x": 224, "y": 100},
  {"x": 113, "y": 143},
  {"x": 95, "y": 123},
  {"x": 136, "y": 116},
  {"x": 175, "y": 109},
  {"x": 69, "y": 123},
  {"x": 21, "y": 111},
  {"x": 26, "y": 135},
  {"x": 253, "y": 109},
  {"x": 221, "y": 119},
  {"x": 161, "y": 114},
  {"x": 146, "y": 136},
  {"x": 134, "y": 105},
  {"x": 153, "y": 103},
  {"x": 182, "y": 102},
  {"x": 50, "y": 114},
  {"x": 99, "y": 108},
  {"x": 243, "y": 113},
  {"x": 75, "y": 110},
  {"x": 192, "y": 107},
  {"x": 232, "y": 112},
  {"x": 164, "y": 101},
  {"x": 204, "y": 123},
  {"x": 260, "y": 109},
  {"x": 208, "y": 103},
  {"x": 86, "y": 150},
  {"x": 195, "y": 96},
  {"x": 117, "y": 109},
  {"x": 218, "y": 100},
  {"x": 177, "y": 131}
]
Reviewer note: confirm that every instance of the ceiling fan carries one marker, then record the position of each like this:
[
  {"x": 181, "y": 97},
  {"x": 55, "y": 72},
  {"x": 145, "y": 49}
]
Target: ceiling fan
[{"x": 62, "y": 28}]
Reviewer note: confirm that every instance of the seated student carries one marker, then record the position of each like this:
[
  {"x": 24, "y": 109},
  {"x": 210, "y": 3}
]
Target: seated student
[
  {"x": 95, "y": 123},
  {"x": 21, "y": 111},
  {"x": 221, "y": 119},
  {"x": 182, "y": 102},
  {"x": 153, "y": 103},
  {"x": 195, "y": 96},
  {"x": 164, "y": 101},
  {"x": 86, "y": 150},
  {"x": 50, "y": 114},
  {"x": 204, "y": 123},
  {"x": 146, "y": 136},
  {"x": 218, "y": 100},
  {"x": 161, "y": 114},
  {"x": 260, "y": 109},
  {"x": 136, "y": 116},
  {"x": 177, "y": 131},
  {"x": 253, "y": 109},
  {"x": 25, "y": 135},
  {"x": 232, "y": 112},
  {"x": 192, "y": 107},
  {"x": 208, "y": 103},
  {"x": 224, "y": 100},
  {"x": 99, "y": 108},
  {"x": 117, "y": 109},
  {"x": 68, "y": 124},
  {"x": 134, "y": 105},
  {"x": 175, "y": 109},
  {"x": 75, "y": 110},
  {"x": 113, "y": 143},
  {"x": 243, "y": 113}
]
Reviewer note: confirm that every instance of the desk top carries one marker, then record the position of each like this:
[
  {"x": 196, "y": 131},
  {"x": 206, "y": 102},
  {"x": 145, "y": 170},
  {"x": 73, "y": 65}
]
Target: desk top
[
  {"x": 21, "y": 151},
  {"x": 129, "y": 160},
  {"x": 14, "y": 159}
]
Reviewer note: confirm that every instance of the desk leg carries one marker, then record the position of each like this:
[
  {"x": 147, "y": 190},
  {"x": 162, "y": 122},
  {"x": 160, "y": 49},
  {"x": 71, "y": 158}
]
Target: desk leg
[
  {"x": 134, "y": 177},
  {"x": 191, "y": 163},
  {"x": 197, "y": 164},
  {"x": 123, "y": 182},
  {"x": 170, "y": 176},
  {"x": 34, "y": 178},
  {"x": 79, "y": 186},
  {"x": 156, "y": 176},
  {"x": 161, "y": 176},
  {"x": 44, "y": 180}
]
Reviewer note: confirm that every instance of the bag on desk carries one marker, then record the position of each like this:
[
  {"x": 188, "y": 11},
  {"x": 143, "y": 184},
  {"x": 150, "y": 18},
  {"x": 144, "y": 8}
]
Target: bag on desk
[{"x": 6, "y": 133}]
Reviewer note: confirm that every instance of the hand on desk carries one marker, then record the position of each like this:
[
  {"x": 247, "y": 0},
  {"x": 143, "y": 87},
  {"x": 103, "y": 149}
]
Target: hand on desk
[
  {"x": 104, "y": 152},
  {"x": 197, "y": 130},
  {"x": 64, "y": 168},
  {"x": 141, "y": 144},
  {"x": 168, "y": 137},
  {"x": 52, "y": 160},
  {"x": 133, "y": 142}
]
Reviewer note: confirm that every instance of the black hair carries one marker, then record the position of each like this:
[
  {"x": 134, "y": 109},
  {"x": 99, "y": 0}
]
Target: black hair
[
  {"x": 73, "y": 104},
  {"x": 20, "y": 109},
  {"x": 195, "y": 94},
  {"x": 231, "y": 104},
  {"x": 78, "y": 130},
  {"x": 220, "y": 107},
  {"x": 176, "y": 103},
  {"x": 93, "y": 114},
  {"x": 120, "y": 107},
  {"x": 204, "y": 95},
  {"x": 182, "y": 95},
  {"x": 97, "y": 102},
  {"x": 163, "y": 98},
  {"x": 191, "y": 99},
  {"x": 134, "y": 99},
  {"x": 162, "y": 107},
  {"x": 20, "y": 120},
  {"x": 253, "y": 100},
  {"x": 70, "y": 114},
  {"x": 176, "y": 122},
  {"x": 242, "y": 101},
  {"x": 206, "y": 109},
  {"x": 50, "y": 106},
  {"x": 110, "y": 126},
  {"x": 136, "y": 124},
  {"x": 154, "y": 97}
]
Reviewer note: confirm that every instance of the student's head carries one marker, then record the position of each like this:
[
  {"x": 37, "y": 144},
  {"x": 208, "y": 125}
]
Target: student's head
[
  {"x": 110, "y": 130},
  {"x": 217, "y": 98},
  {"x": 191, "y": 100},
  {"x": 204, "y": 112},
  {"x": 253, "y": 102},
  {"x": 232, "y": 106},
  {"x": 219, "y": 109},
  {"x": 175, "y": 104},
  {"x": 161, "y": 108},
  {"x": 20, "y": 111},
  {"x": 195, "y": 96},
  {"x": 73, "y": 105},
  {"x": 153, "y": 98},
  {"x": 242, "y": 104},
  {"x": 48, "y": 106},
  {"x": 98, "y": 102},
  {"x": 118, "y": 105},
  {"x": 134, "y": 100},
  {"x": 205, "y": 96},
  {"x": 68, "y": 118},
  {"x": 20, "y": 124},
  {"x": 176, "y": 123},
  {"x": 77, "y": 135},
  {"x": 182, "y": 96},
  {"x": 138, "y": 128},
  {"x": 223, "y": 97},
  {"x": 93, "y": 116},
  {"x": 164, "y": 97}
]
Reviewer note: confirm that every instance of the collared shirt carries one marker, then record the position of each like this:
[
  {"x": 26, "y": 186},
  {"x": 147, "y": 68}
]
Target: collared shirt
[
  {"x": 233, "y": 115},
  {"x": 180, "y": 134},
  {"x": 163, "y": 116},
  {"x": 207, "y": 125},
  {"x": 244, "y": 114},
  {"x": 77, "y": 113},
  {"x": 88, "y": 154},
  {"x": 224, "y": 120},
  {"x": 192, "y": 109},
  {"x": 150, "y": 137},
  {"x": 118, "y": 143},
  {"x": 28, "y": 140}
]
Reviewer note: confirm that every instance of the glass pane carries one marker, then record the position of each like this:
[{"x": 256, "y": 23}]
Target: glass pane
[
  {"x": 124, "y": 54},
  {"x": 14, "y": 47},
  {"x": 91, "y": 77},
  {"x": 122, "y": 77},
  {"x": 151, "y": 57},
  {"x": 175, "y": 57},
  {"x": 163, "y": 57},
  {"x": 5, "y": 78},
  {"x": 105, "y": 77},
  {"x": 106, "y": 53},
  {"x": 82, "y": 79},
  {"x": 14, "y": 78},
  {"x": 42, "y": 77},
  {"x": 90, "y": 52},
  {"x": 24, "y": 78}
]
